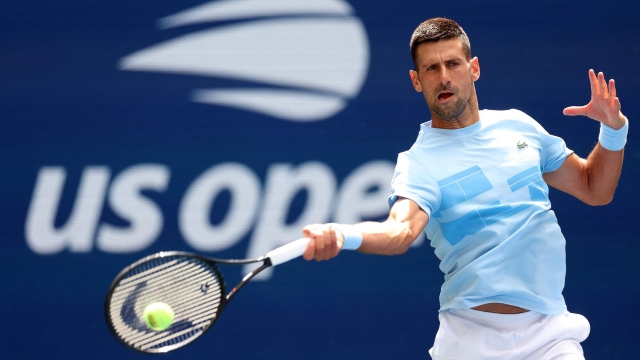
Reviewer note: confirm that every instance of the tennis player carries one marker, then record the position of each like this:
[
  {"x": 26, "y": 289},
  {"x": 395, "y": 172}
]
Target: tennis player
[{"x": 476, "y": 183}]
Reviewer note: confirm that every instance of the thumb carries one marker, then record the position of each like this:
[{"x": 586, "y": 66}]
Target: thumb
[{"x": 574, "y": 110}]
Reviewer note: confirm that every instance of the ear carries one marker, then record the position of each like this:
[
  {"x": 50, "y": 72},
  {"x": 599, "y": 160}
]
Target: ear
[
  {"x": 475, "y": 69},
  {"x": 415, "y": 80}
]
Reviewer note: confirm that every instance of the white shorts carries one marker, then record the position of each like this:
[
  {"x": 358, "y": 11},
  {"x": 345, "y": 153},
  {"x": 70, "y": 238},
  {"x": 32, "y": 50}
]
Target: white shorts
[{"x": 470, "y": 334}]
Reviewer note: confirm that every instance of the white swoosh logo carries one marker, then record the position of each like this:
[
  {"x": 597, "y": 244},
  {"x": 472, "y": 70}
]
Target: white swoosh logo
[
  {"x": 283, "y": 104},
  {"x": 322, "y": 62},
  {"x": 244, "y": 9}
]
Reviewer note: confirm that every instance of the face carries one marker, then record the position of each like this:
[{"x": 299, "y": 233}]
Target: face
[{"x": 445, "y": 77}]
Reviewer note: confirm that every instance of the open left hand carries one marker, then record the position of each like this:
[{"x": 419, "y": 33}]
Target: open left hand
[{"x": 604, "y": 105}]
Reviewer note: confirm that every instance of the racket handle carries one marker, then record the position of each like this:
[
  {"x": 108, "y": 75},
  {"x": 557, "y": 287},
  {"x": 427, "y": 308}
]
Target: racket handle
[{"x": 287, "y": 252}]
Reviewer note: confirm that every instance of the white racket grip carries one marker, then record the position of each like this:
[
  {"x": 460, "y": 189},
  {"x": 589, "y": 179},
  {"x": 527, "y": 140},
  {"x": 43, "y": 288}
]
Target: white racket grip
[{"x": 288, "y": 252}]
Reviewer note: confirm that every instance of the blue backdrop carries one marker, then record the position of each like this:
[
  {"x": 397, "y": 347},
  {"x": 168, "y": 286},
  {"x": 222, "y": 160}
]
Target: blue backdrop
[{"x": 130, "y": 127}]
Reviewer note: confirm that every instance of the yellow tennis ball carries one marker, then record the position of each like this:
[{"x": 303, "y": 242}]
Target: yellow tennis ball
[{"x": 158, "y": 316}]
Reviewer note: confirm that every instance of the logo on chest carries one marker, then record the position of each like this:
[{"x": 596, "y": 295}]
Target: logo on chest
[{"x": 457, "y": 219}]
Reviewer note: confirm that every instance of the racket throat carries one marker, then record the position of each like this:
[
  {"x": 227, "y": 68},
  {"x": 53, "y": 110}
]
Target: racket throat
[{"x": 249, "y": 276}]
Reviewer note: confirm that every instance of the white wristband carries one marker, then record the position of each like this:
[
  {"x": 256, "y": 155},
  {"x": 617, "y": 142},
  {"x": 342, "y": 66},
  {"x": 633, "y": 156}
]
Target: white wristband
[
  {"x": 352, "y": 236},
  {"x": 611, "y": 139}
]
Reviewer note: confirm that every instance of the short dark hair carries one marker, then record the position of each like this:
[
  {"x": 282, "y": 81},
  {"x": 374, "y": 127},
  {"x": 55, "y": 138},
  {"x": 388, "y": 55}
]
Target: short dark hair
[{"x": 437, "y": 29}]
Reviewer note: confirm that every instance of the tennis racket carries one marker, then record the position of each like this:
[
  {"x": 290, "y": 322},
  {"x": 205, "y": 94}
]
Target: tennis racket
[{"x": 191, "y": 284}]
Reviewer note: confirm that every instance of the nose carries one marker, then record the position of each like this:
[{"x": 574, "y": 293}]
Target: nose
[{"x": 445, "y": 79}]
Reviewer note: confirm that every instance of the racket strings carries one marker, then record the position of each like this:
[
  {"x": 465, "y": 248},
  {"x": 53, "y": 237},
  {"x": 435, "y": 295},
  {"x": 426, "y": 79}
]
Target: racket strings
[{"x": 190, "y": 286}]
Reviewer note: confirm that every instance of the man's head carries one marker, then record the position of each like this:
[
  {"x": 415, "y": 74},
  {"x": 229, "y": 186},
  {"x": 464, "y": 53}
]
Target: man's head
[
  {"x": 437, "y": 29},
  {"x": 445, "y": 73}
]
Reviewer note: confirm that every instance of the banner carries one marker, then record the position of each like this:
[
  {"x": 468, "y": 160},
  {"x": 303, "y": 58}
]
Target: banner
[{"x": 224, "y": 127}]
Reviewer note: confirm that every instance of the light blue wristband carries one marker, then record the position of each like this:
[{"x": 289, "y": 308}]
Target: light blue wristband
[
  {"x": 611, "y": 139},
  {"x": 352, "y": 236}
]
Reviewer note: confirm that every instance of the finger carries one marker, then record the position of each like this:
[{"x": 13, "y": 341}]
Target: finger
[
  {"x": 612, "y": 92},
  {"x": 320, "y": 243},
  {"x": 333, "y": 248},
  {"x": 616, "y": 104},
  {"x": 338, "y": 243},
  {"x": 309, "y": 231},
  {"x": 327, "y": 236},
  {"x": 574, "y": 111},
  {"x": 310, "y": 250},
  {"x": 602, "y": 85},
  {"x": 594, "y": 82},
  {"x": 306, "y": 232}
]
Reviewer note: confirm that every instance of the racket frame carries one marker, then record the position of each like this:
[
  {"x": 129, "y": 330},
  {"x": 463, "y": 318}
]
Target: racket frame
[{"x": 212, "y": 262}]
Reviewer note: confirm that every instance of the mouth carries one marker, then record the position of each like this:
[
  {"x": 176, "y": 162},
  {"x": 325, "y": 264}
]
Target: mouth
[{"x": 445, "y": 95}]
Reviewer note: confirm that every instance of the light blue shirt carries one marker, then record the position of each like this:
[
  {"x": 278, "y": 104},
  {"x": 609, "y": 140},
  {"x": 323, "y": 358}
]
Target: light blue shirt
[{"x": 490, "y": 219}]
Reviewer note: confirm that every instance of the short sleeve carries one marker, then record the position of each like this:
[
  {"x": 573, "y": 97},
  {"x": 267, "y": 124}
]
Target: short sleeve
[
  {"x": 413, "y": 181},
  {"x": 554, "y": 151}
]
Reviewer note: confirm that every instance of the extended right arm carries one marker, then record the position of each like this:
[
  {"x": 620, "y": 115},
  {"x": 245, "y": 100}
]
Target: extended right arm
[{"x": 392, "y": 237}]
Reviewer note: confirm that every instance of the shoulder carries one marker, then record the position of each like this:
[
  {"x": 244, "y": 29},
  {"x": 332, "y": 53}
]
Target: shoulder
[
  {"x": 513, "y": 119},
  {"x": 501, "y": 115},
  {"x": 409, "y": 158},
  {"x": 416, "y": 158},
  {"x": 413, "y": 153}
]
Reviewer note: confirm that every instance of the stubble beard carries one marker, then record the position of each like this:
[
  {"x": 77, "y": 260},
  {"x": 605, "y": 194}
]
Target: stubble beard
[{"x": 452, "y": 114}]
